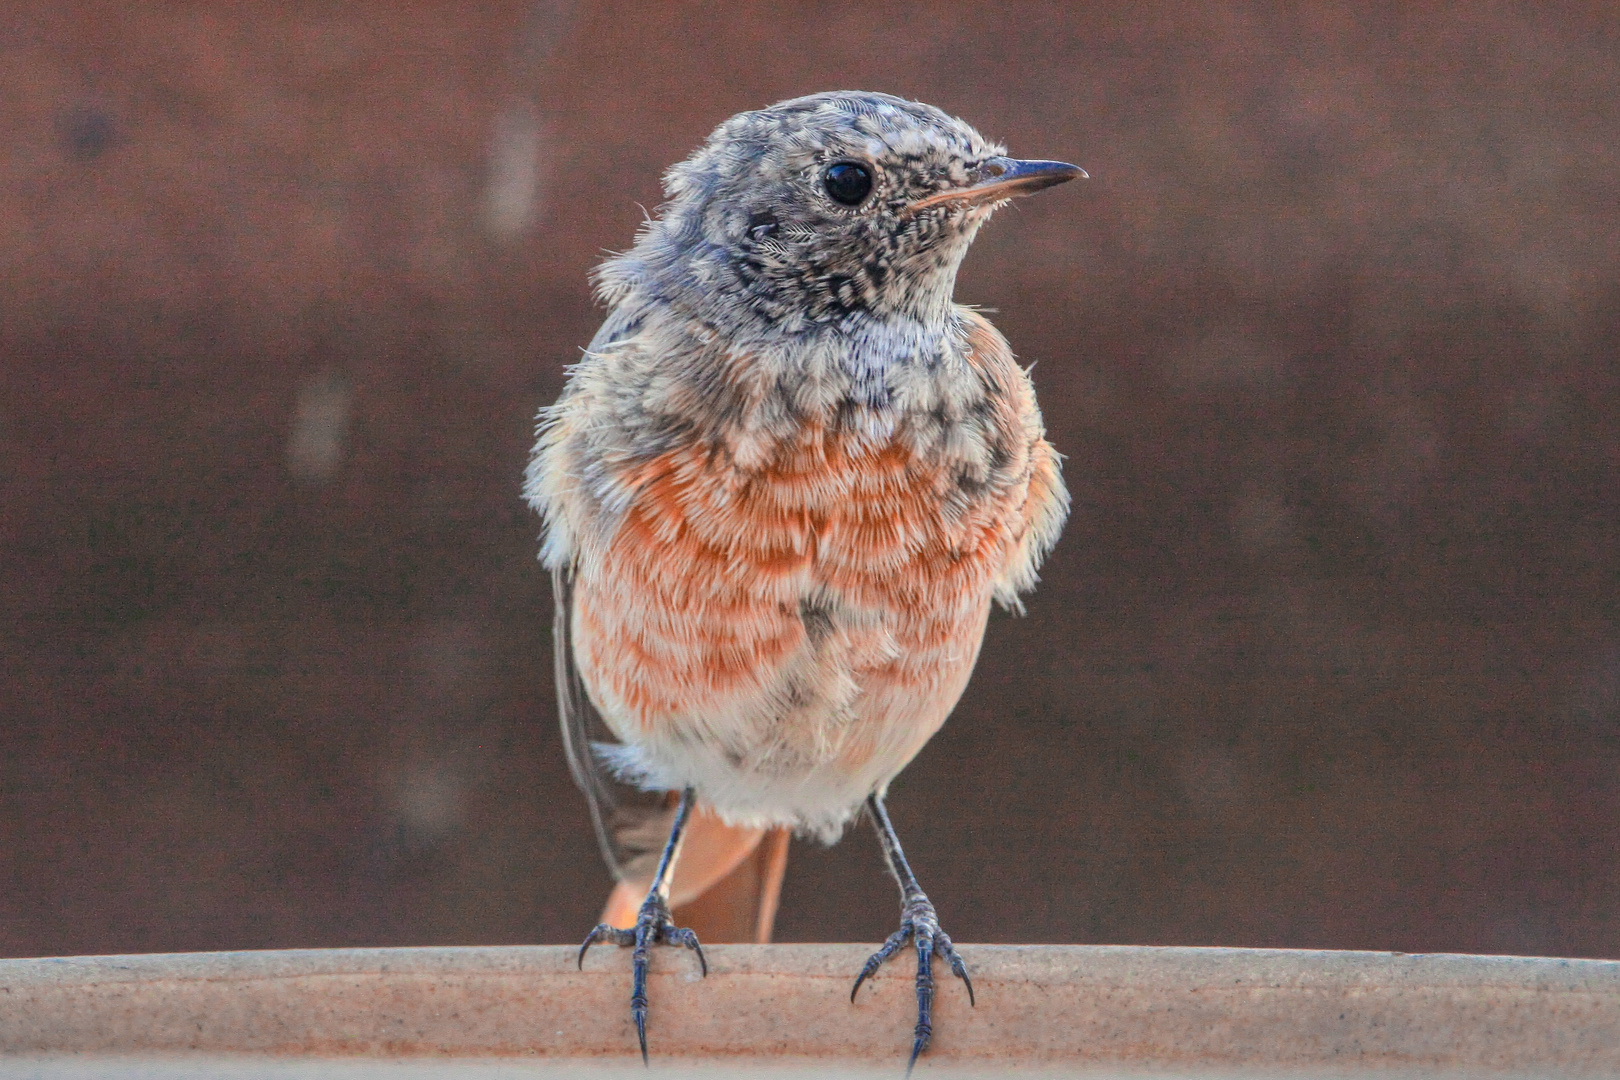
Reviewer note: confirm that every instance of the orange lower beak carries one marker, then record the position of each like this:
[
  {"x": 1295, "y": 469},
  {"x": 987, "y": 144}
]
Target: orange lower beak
[{"x": 1004, "y": 178}]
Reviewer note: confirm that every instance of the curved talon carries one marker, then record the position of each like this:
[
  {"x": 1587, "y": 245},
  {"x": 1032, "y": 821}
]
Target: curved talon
[
  {"x": 943, "y": 946},
  {"x": 916, "y": 1051},
  {"x": 890, "y": 947},
  {"x": 683, "y": 936},
  {"x": 959, "y": 969},
  {"x": 602, "y": 932}
]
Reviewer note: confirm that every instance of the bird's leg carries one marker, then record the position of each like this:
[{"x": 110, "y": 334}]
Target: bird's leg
[
  {"x": 920, "y": 924},
  {"x": 654, "y": 925}
]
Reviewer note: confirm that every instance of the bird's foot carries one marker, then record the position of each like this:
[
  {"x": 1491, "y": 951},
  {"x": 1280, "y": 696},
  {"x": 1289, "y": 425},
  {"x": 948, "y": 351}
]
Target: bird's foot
[
  {"x": 920, "y": 924},
  {"x": 654, "y": 926}
]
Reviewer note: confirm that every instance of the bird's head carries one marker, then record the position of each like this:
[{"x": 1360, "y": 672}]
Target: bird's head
[{"x": 822, "y": 207}]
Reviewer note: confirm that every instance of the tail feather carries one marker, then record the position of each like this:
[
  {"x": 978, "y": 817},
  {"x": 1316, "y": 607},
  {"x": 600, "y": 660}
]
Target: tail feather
[{"x": 726, "y": 885}]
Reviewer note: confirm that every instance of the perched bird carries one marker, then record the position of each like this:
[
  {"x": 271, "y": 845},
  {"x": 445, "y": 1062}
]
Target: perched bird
[{"x": 782, "y": 488}]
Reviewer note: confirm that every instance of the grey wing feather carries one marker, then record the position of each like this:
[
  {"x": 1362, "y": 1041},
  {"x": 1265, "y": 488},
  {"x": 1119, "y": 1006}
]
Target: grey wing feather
[
  {"x": 629, "y": 828},
  {"x": 630, "y": 824}
]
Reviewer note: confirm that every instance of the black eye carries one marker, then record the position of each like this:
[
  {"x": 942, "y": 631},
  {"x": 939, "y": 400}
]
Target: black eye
[{"x": 848, "y": 182}]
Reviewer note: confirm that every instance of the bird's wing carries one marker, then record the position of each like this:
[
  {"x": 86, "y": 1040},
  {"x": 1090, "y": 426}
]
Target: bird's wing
[
  {"x": 630, "y": 825},
  {"x": 1036, "y": 520}
]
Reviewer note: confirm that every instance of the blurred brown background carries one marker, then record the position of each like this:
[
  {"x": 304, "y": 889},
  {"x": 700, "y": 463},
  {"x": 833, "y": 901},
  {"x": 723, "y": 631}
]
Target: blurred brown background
[{"x": 1330, "y": 652}]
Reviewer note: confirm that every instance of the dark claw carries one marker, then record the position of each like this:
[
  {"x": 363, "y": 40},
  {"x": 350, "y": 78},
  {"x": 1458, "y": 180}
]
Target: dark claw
[
  {"x": 943, "y": 946},
  {"x": 682, "y": 936},
  {"x": 919, "y": 924},
  {"x": 875, "y": 961},
  {"x": 959, "y": 969},
  {"x": 605, "y": 932}
]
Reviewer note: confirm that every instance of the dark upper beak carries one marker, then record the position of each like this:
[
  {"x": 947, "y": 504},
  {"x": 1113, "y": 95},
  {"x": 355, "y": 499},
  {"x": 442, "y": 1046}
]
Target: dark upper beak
[{"x": 1004, "y": 178}]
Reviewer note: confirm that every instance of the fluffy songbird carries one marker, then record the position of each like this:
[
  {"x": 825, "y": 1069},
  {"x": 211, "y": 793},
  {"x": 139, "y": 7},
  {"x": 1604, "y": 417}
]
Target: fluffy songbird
[{"x": 784, "y": 485}]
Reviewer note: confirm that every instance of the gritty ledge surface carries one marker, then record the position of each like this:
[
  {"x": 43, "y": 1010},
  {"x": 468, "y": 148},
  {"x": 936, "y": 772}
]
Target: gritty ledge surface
[{"x": 1175, "y": 1008}]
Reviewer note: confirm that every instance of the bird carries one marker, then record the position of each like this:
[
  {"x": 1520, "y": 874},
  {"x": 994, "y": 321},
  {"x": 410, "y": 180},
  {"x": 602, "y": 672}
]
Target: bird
[{"x": 781, "y": 490}]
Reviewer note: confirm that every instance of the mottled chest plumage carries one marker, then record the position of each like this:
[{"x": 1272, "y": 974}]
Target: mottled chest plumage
[{"x": 794, "y": 581}]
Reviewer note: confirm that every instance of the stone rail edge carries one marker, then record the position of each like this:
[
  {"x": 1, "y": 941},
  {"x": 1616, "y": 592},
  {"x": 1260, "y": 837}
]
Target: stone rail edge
[{"x": 1037, "y": 1004}]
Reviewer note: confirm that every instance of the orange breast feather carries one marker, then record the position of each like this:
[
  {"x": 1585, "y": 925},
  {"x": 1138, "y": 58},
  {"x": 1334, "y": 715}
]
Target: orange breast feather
[{"x": 879, "y": 558}]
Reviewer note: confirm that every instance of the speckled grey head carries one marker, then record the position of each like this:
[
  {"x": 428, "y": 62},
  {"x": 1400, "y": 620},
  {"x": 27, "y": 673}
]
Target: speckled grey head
[{"x": 822, "y": 208}]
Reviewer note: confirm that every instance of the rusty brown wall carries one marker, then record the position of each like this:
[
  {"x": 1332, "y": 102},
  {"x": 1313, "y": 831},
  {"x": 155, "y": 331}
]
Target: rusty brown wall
[{"x": 1329, "y": 655}]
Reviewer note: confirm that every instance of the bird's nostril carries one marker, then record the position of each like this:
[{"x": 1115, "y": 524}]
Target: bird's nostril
[
  {"x": 992, "y": 169},
  {"x": 762, "y": 225}
]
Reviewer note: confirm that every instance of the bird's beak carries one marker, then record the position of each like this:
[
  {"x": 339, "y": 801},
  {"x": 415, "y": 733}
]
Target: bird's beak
[{"x": 1002, "y": 178}]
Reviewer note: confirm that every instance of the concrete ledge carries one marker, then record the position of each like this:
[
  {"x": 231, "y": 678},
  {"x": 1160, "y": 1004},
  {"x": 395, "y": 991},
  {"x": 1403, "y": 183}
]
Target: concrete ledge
[{"x": 1150, "y": 1007}]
